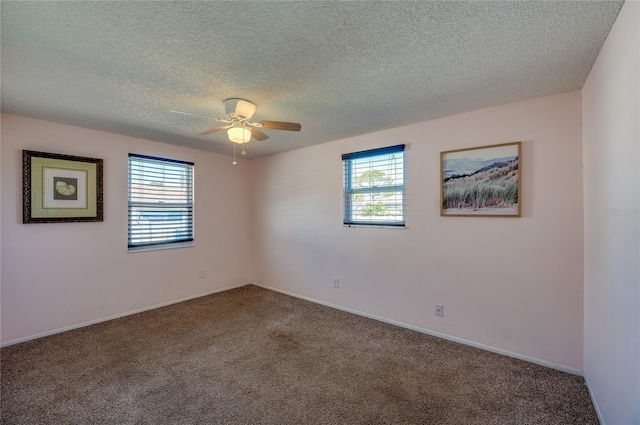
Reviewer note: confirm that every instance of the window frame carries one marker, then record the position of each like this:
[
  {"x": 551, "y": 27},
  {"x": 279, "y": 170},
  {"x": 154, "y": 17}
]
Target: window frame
[
  {"x": 188, "y": 206},
  {"x": 348, "y": 191}
]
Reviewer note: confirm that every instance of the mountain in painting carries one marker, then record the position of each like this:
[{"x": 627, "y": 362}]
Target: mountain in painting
[{"x": 466, "y": 166}]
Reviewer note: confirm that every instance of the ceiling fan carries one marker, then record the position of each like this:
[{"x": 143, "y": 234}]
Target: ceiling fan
[{"x": 239, "y": 129}]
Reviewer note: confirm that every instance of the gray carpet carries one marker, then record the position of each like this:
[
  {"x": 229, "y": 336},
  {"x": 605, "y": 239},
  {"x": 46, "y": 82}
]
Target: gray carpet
[{"x": 253, "y": 356}]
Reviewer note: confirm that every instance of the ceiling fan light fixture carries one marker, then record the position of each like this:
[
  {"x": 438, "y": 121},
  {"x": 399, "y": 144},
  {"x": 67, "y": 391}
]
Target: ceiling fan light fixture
[{"x": 239, "y": 135}]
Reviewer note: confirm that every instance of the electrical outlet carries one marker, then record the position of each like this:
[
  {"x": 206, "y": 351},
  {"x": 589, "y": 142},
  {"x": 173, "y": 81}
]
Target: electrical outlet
[
  {"x": 439, "y": 310},
  {"x": 336, "y": 282},
  {"x": 203, "y": 274}
]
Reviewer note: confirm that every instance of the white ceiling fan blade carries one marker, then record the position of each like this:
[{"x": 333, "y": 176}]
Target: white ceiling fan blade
[
  {"x": 189, "y": 113},
  {"x": 245, "y": 109},
  {"x": 240, "y": 107}
]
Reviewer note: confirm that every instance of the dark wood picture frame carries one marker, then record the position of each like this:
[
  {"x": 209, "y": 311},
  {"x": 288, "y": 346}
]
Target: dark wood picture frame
[{"x": 59, "y": 188}]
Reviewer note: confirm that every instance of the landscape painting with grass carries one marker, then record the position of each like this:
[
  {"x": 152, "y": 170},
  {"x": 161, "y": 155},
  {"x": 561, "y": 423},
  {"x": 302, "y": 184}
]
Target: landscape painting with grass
[{"x": 483, "y": 181}]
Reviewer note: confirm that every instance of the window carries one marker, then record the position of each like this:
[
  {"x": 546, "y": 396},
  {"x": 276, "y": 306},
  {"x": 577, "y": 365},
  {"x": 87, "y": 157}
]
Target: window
[
  {"x": 374, "y": 187},
  {"x": 160, "y": 202}
]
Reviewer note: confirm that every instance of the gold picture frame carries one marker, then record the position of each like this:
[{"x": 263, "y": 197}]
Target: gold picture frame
[
  {"x": 483, "y": 181},
  {"x": 61, "y": 188}
]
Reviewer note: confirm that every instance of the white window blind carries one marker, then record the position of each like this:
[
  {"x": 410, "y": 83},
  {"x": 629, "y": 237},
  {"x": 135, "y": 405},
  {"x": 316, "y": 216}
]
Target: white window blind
[
  {"x": 160, "y": 202},
  {"x": 374, "y": 192}
]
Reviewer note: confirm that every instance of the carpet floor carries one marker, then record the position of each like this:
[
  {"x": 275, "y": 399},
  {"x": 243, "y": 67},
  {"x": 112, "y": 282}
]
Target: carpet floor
[{"x": 254, "y": 356}]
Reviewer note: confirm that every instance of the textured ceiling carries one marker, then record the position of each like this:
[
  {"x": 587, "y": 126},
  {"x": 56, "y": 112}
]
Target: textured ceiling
[{"x": 339, "y": 68}]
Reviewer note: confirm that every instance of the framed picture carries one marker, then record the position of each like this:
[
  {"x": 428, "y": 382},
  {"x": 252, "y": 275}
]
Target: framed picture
[
  {"x": 60, "y": 188},
  {"x": 482, "y": 181}
]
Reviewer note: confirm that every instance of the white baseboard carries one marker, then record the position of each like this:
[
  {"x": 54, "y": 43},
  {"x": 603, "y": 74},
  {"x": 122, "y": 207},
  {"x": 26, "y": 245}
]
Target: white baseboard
[
  {"x": 432, "y": 333},
  {"x": 116, "y": 316},
  {"x": 593, "y": 400}
]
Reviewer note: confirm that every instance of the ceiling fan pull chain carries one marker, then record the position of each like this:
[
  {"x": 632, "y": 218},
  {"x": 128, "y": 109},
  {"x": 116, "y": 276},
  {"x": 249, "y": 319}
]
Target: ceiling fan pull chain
[{"x": 234, "y": 154}]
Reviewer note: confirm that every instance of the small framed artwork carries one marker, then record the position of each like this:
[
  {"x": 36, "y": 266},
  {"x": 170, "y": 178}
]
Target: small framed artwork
[
  {"x": 483, "y": 181},
  {"x": 61, "y": 188}
]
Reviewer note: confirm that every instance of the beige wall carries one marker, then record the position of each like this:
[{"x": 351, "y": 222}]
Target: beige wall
[
  {"x": 513, "y": 284},
  {"x": 508, "y": 284},
  {"x": 64, "y": 274},
  {"x": 611, "y": 116}
]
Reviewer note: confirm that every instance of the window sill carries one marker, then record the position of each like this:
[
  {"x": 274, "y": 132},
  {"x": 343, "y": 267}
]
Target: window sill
[
  {"x": 375, "y": 226},
  {"x": 161, "y": 247}
]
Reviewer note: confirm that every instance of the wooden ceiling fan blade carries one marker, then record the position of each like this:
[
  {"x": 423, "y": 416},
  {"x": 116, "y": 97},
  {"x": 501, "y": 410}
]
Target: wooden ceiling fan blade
[
  {"x": 213, "y": 130},
  {"x": 280, "y": 125},
  {"x": 258, "y": 135}
]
